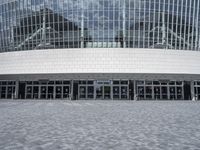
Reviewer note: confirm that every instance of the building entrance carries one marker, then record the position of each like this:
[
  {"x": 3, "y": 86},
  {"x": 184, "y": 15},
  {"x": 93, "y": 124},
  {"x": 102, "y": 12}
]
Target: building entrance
[
  {"x": 47, "y": 89},
  {"x": 86, "y": 90},
  {"x": 160, "y": 90},
  {"x": 103, "y": 92}
]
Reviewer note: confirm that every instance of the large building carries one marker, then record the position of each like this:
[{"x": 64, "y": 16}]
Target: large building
[{"x": 100, "y": 49}]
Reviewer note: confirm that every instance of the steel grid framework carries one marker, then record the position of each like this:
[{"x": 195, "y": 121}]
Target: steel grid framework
[{"x": 49, "y": 24}]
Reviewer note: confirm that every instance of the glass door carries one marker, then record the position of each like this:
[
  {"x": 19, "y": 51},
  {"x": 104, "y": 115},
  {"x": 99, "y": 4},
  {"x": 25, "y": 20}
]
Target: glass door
[
  {"x": 29, "y": 92},
  {"x": 35, "y": 92},
  {"x": 58, "y": 92},
  {"x": 50, "y": 92},
  {"x": 149, "y": 95},
  {"x": 116, "y": 94},
  {"x": 107, "y": 92},
  {"x": 172, "y": 93},
  {"x": 124, "y": 92},
  {"x": 157, "y": 92},
  {"x": 90, "y": 94},
  {"x": 179, "y": 92},
  {"x": 66, "y": 92},
  {"x": 43, "y": 94},
  {"x": 140, "y": 92},
  {"x": 99, "y": 92},
  {"x": 82, "y": 92},
  {"x": 164, "y": 93}
]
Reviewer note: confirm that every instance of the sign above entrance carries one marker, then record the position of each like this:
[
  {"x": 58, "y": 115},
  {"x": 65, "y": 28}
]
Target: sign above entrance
[{"x": 103, "y": 82}]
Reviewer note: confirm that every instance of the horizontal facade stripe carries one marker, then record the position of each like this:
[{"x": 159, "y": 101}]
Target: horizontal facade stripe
[{"x": 63, "y": 61}]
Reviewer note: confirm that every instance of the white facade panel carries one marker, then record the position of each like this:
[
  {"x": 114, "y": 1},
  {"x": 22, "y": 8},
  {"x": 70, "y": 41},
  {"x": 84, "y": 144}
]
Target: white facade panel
[{"x": 98, "y": 60}]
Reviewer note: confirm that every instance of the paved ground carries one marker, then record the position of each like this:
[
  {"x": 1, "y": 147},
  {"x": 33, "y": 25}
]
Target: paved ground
[{"x": 104, "y": 125}]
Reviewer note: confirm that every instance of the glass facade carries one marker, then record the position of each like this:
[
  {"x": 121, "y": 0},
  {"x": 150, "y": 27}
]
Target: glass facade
[
  {"x": 100, "y": 89},
  {"x": 51, "y": 24}
]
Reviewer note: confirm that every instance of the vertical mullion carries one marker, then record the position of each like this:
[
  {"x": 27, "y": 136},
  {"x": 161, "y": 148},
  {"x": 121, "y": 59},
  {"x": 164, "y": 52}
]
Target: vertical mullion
[
  {"x": 113, "y": 20},
  {"x": 103, "y": 30},
  {"x": 144, "y": 25},
  {"x": 154, "y": 20},
  {"x": 197, "y": 27},
  {"x": 185, "y": 27},
  {"x": 193, "y": 25},
  {"x": 158, "y": 34},
  {"x": 6, "y": 28},
  {"x": 168, "y": 25},
  {"x": 177, "y": 23},
  {"x": 14, "y": 34},
  {"x": 108, "y": 25},
  {"x": 190, "y": 8},
  {"x": 164, "y": 24},
  {"x": 1, "y": 46},
  {"x": 11, "y": 28},
  {"x": 82, "y": 24},
  {"x": 119, "y": 23},
  {"x": 28, "y": 32},
  {"x": 78, "y": 32},
  {"x": 124, "y": 24},
  {"x": 93, "y": 25},
  {"x": 1, "y": 38},
  {"x": 149, "y": 23},
  {"x": 48, "y": 24},
  {"x": 39, "y": 39},
  {"x": 129, "y": 24},
  {"x": 7, "y": 25},
  {"x": 87, "y": 21},
  {"x": 98, "y": 41},
  {"x": 58, "y": 22},
  {"x": 68, "y": 26},
  {"x": 35, "y": 19},
  {"x": 73, "y": 24},
  {"x": 20, "y": 29},
  {"x": 139, "y": 38},
  {"x": 181, "y": 26},
  {"x": 134, "y": 24},
  {"x": 24, "y": 10},
  {"x": 3, "y": 29},
  {"x": 43, "y": 26},
  {"x": 32, "y": 14},
  {"x": 172, "y": 25},
  {"x": 63, "y": 25}
]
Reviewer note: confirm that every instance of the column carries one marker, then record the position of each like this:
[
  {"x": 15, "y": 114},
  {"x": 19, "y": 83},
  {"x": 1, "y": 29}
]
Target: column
[
  {"x": 16, "y": 90},
  {"x": 54, "y": 91},
  {"x": 62, "y": 87},
  {"x": 168, "y": 91},
  {"x": 135, "y": 90},
  {"x": 120, "y": 93},
  {"x": 145, "y": 95},
  {"x": 6, "y": 96},
  {"x": 39, "y": 94},
  {"x": 72, "y": 90},
  {"x": 111, "y": 88},
  {"x": 95, "y": 90},
  {"x": 25, "y": 91},
  {"x": 176, "y": 91},
  {"x": 192, "y": 91},
  {"x": 183, "y": 91},
  {"x": 86, "y": 92},
  {"x": 153, "y": 94}
]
